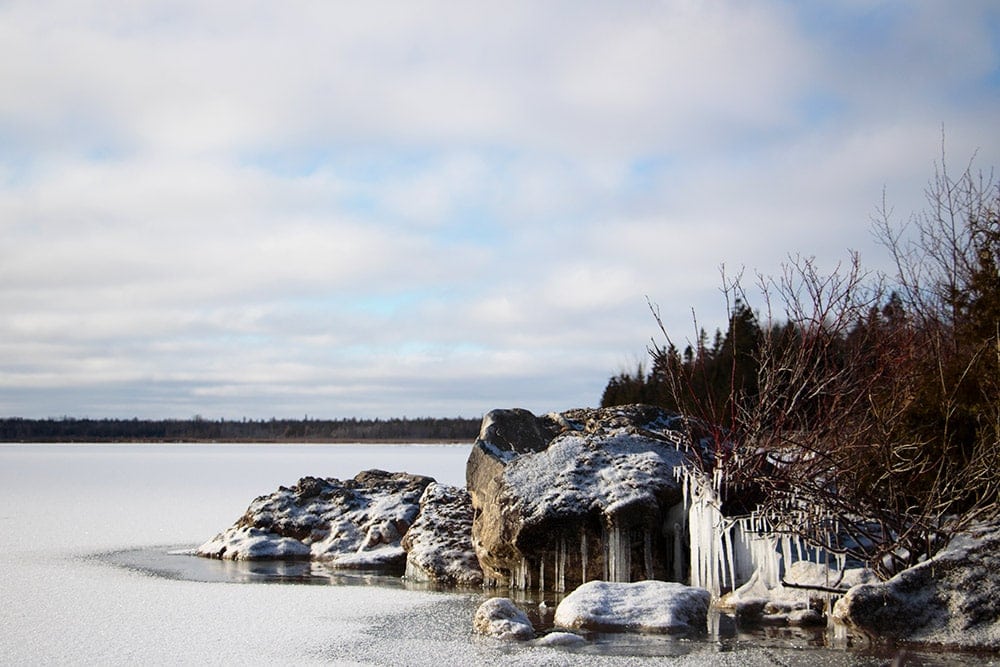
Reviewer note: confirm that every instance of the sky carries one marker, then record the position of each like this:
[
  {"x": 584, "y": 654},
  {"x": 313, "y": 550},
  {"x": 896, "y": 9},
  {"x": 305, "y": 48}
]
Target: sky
[{"x": 386, "y": 209}]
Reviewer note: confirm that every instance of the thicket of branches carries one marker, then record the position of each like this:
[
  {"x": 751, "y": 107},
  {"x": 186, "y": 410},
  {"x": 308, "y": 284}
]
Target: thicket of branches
[{"x": 863, "y": 408}]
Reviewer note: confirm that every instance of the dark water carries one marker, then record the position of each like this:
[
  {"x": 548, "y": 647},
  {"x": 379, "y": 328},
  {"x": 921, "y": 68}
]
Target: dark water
[{"x": 447, "y": 625}]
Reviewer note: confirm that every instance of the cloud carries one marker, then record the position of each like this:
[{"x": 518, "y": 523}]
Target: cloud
[{"x": 435, "y": 208}]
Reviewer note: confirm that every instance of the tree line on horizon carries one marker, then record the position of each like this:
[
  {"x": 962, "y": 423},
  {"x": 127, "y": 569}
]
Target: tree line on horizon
[
  {"x": 69, "y": 429},
  {"x": 862, "y": 399}
]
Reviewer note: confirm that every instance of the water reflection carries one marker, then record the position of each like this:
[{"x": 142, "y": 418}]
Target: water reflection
[{"x": 181, "y": 563}]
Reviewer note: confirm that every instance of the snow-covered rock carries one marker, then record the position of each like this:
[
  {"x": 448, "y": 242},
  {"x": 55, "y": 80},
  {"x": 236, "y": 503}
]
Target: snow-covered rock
[
  {"x": 243, "y": 542},
  {"x": 562, "y": 639},
  {"x": 439, "y": 543},
  {"x": 643, "y": 606},
  {"x": 951, "y": 599},
  {"x": 571, "y": 497},
  {"x": 799, "y": 599},
  {"x": 355, "y": 523},
  {"x": 501, "y": 618}
]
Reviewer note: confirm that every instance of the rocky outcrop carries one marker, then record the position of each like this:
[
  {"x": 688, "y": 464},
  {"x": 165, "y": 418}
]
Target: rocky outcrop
[
  {"x": 356, "y": 523},
  {"x": 570, "y": 497},
  {"x": 799, "y": 598},
  {"x": 501, "y": 618},
  {"x": 644, "y": 606},
  {"x": 439, "y": 543},
  {"x": 951, "y": 599}
]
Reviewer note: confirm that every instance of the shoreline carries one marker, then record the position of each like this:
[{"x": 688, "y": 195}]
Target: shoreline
[{"x": 242, "y": 441}]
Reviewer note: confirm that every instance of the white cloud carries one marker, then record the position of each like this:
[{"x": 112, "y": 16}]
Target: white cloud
[{"x": 434, "y": 207}]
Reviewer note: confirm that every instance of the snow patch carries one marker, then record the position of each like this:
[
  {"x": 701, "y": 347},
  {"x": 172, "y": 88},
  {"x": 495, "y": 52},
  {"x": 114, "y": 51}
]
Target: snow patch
[{"x": 580, "y": 473}]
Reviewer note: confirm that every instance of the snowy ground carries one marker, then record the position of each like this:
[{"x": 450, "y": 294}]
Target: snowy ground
[{"x": 61, "y": 506}]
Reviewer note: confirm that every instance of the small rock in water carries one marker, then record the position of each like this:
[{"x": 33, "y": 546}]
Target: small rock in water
[
  {"x": 644, "y": 606},
  {"x": 560, "y": 639},
  {"x": 806, "y": 617},
  {"x": 545, "y": 612},
  {"x": 501, "y": 618}
]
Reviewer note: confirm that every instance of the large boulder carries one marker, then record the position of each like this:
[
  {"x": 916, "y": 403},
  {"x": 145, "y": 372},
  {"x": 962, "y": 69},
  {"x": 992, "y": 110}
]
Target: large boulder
[
  {"x": 439, "y": 543},
  {"x": 356, "y": 523},
  {"x": 581, "y": 495},
  {"x": 643, "y": 606},
  {"x": 951, "y": 599}
]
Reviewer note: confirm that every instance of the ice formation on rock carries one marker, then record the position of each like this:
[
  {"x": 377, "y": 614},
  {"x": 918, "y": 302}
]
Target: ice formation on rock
[
  {"x": 611, "y": 494},
  {"x": 575, "y": 496},
  {"x": 748, "y": 555}
]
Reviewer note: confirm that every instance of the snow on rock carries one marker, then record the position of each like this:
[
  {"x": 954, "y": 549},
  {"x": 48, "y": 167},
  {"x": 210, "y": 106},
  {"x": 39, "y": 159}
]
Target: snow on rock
[
  {"x": 355, "y": 523},
  {"x": 643, "y": 606},
  {"x": 249, "y": 543},
  {"x": 798, "y": 599},
  {"x": 951, "y": 599},
  {"x": 439, "y": 543},
  {"x": 560, "y": 639},
  {"x": 501, "y": 618},
  {"x": 570, "y": 497}
]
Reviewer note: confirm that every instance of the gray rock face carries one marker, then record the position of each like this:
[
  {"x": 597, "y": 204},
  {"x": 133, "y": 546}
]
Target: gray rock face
[
  {"x": 356, "y": 523},
  {"x": 566, "y": 498},
  {"x": 439, "y": 543},
  {"x": 952, "y": 599}
]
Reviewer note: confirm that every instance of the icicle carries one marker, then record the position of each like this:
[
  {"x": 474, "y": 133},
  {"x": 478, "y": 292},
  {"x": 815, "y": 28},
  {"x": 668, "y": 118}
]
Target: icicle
[
  {"x": 522, "y": 576},
  {"x": 730, "y": 559},
  {"x": 541, "y": 573},
  {"x": 607, "y": 556},
  {"x": 786, "y": 552},
  {"x": 583, "y": 557},
  {"x": 705, "y": 526},
  {"x": 613, "y": 564},
  {"x": 648, "y": 552},
  {"x": 678, "y": 554},
  {"x": 624, "y": 555},
  {"x": 561, "y": 582},
  {"x": 619, "y": 554}
]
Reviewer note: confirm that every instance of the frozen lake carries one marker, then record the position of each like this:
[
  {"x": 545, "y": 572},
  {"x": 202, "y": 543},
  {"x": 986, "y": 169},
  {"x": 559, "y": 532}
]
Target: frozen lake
[{"x": 69, "y": 513}]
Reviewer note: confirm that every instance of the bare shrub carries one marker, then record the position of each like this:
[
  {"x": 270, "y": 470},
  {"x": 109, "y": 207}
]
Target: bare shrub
[{"x": 871, "y": 424}]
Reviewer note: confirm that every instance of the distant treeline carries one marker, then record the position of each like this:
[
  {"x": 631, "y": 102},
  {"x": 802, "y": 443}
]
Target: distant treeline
[{"x": 68, "y": 429}]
